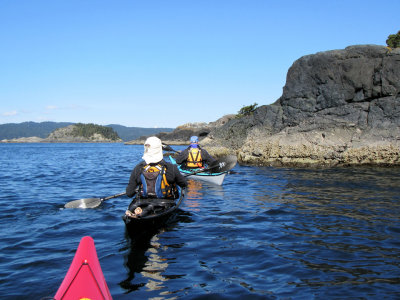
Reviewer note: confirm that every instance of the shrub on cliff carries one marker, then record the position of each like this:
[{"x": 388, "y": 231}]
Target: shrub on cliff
[
  {"x": 246, "y": 110},
  {"x": 393, "y": 40}
]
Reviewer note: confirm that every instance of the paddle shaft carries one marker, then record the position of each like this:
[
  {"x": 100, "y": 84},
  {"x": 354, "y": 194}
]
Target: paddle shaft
[
  {"x": 168, "y": 148},
  {"x": 221, "y": 164},
  {"x": 199, "y": 171},
  {"x": 113, "y": 196}
]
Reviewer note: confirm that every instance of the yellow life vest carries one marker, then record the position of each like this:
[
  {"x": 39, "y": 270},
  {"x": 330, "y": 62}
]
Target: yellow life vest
[{"x": 194, "y": 159}]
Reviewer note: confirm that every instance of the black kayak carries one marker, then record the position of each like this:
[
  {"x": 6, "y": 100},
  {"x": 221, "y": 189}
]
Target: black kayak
[{"x": 155, "y": 213}]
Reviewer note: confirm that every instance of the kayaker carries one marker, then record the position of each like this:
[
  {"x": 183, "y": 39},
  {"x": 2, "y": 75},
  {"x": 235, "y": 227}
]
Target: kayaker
[
  {"x": 194, "y": 157},
  {"x": 153, "y": 177}
]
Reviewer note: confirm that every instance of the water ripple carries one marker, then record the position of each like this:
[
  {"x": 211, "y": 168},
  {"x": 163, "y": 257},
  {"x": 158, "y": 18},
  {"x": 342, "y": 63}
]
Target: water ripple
[{"x": 267, "y": 233}]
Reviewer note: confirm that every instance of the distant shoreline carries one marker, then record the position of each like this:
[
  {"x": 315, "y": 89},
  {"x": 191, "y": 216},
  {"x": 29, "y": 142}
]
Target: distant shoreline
[{"x": 37, "y": 140}]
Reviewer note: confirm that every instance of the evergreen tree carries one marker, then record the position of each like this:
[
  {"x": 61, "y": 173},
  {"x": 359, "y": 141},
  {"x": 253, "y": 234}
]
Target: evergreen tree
[
  {"x": 393, "y": 40},
  {"x": 246, "y": 110}
]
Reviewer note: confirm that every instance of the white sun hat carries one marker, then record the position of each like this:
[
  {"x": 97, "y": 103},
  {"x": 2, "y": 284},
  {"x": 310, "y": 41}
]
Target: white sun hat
[{"x": 152, "y": 150}]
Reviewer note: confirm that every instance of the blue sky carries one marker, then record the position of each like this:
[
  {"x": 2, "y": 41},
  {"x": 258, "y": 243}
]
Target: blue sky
[{"x": 165, "y": 63}]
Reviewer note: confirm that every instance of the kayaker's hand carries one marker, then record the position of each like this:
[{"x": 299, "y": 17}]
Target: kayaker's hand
[{"x": 138, "y": 210}]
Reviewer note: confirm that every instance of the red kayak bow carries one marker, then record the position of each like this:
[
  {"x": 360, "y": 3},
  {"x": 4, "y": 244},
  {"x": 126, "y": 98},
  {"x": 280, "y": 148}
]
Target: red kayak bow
[{"x": 84, "y": 279}]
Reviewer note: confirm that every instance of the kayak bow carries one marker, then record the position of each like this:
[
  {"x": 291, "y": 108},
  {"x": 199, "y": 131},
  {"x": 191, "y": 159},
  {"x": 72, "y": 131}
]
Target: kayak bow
[{"x": 84, "y": 279}]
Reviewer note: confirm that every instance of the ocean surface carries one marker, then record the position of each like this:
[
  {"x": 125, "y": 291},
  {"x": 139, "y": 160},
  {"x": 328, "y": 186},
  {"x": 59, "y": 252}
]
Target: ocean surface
[{"x": 266, "y": 233}]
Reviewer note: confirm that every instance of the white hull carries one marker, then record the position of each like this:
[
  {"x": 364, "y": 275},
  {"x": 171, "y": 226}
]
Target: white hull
[{"x": 215, "y": 179}]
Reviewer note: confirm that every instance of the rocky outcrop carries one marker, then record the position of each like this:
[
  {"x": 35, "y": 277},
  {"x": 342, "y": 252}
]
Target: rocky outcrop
[
  {"x": 181, "y": 135},
  {"x": 31, "y": 139},
  {"x": 339, "y": 107}
]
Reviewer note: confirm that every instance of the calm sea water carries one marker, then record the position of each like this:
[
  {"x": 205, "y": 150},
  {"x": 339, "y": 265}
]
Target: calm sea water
[{"x": 266, "y": 233}]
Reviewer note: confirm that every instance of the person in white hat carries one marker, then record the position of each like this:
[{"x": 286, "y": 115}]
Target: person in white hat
[
  {"x": 144, "y": 175},
  {"x": 194, "y": 156}
]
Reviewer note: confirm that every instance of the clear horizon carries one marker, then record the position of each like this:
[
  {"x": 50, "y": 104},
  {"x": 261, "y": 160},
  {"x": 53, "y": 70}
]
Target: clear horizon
[{"x": 164, "y": 64}]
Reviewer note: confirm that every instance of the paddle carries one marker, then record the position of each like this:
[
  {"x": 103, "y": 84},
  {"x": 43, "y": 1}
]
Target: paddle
[
  {"x": 224, "y": 164},
  {"x": 168, "y": 148},
  {"x": 219, "y": 166},
  {"x": 90, "y": 202}
]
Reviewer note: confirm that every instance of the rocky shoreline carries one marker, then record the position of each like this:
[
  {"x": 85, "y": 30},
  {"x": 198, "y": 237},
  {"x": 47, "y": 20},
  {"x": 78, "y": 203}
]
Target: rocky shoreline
[
  {"x": 31, "y": 139},
  {"x": 338, "y": 108}
]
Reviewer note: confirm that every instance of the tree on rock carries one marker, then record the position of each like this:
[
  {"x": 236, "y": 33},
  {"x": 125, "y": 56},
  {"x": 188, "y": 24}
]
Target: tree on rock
[
  {"x": 393, "y": 40},
  {"x": 246, "y": 110}
]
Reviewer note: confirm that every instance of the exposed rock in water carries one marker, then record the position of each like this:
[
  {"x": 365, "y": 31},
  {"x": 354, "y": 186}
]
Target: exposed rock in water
[
  {"x": 339, "y": 107},
  {"x": 32, "y": 139}
]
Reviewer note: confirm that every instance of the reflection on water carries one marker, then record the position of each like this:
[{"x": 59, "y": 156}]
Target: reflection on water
[
  {"x": 266, "y": 233},
  {"x": 338, "y": 193},
  {"x": 144, "y": 260},
  {"x": 337, "y": 225},
  {"x": 194, "y": 189},
  {"x": 197, "y": 192},
  {"x": 194, "y": 193},
  {"x": 154, "y": 266}
]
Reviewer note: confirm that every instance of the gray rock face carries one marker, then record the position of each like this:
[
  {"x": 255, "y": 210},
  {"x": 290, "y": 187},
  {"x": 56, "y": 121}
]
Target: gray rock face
[
  {"x": 339, "y": 107},
  {"x": 353, "y": 85}
]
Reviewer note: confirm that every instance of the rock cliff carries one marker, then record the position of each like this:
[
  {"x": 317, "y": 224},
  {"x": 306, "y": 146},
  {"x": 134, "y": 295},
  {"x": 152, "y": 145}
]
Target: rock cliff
[{"x": 339, "y": 107}]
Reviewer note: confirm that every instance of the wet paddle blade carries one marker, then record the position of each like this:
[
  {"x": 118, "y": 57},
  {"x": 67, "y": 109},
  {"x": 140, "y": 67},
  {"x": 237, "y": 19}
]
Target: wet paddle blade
[
  {"x": 90, "y": 202},
  {"x": 84, "y": 203}
]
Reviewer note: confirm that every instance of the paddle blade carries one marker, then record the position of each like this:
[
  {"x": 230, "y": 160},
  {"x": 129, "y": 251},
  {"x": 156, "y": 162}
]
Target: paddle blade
[
  {"x": 224, "y": 164},
  {"x": 84, "y": 203},
  {"x": 168, "y": 148}
]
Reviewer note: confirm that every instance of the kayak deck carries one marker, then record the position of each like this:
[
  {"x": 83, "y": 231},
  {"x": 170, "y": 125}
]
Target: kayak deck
[
  {"x": 84, "y": 278},
  {"x": 161, "y": 211},
  {"x": 215, "y": 178}
]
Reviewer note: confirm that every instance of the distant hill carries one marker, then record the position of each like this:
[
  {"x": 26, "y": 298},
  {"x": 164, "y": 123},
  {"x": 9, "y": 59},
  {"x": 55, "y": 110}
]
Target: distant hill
[
  {"x": 28, "y": 129},
  {"x": 43, "y": 129}
]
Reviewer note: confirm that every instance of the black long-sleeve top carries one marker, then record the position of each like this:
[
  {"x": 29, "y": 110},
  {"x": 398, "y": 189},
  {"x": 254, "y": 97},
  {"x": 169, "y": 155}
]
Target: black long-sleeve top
[{"x": 172, "y": 174}]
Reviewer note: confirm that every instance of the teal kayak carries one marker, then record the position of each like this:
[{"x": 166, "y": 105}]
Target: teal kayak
[{"x": 215, "y": 178}]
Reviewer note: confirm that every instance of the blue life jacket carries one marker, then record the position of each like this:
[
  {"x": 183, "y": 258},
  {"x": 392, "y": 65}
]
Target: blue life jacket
[{"x": 154, "y": 182}]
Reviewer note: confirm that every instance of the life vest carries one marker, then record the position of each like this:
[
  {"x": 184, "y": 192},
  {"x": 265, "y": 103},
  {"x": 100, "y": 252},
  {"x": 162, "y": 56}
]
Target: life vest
[
  {"x": 194, "y": 159},
  {"x": 155, "y": 184}
]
